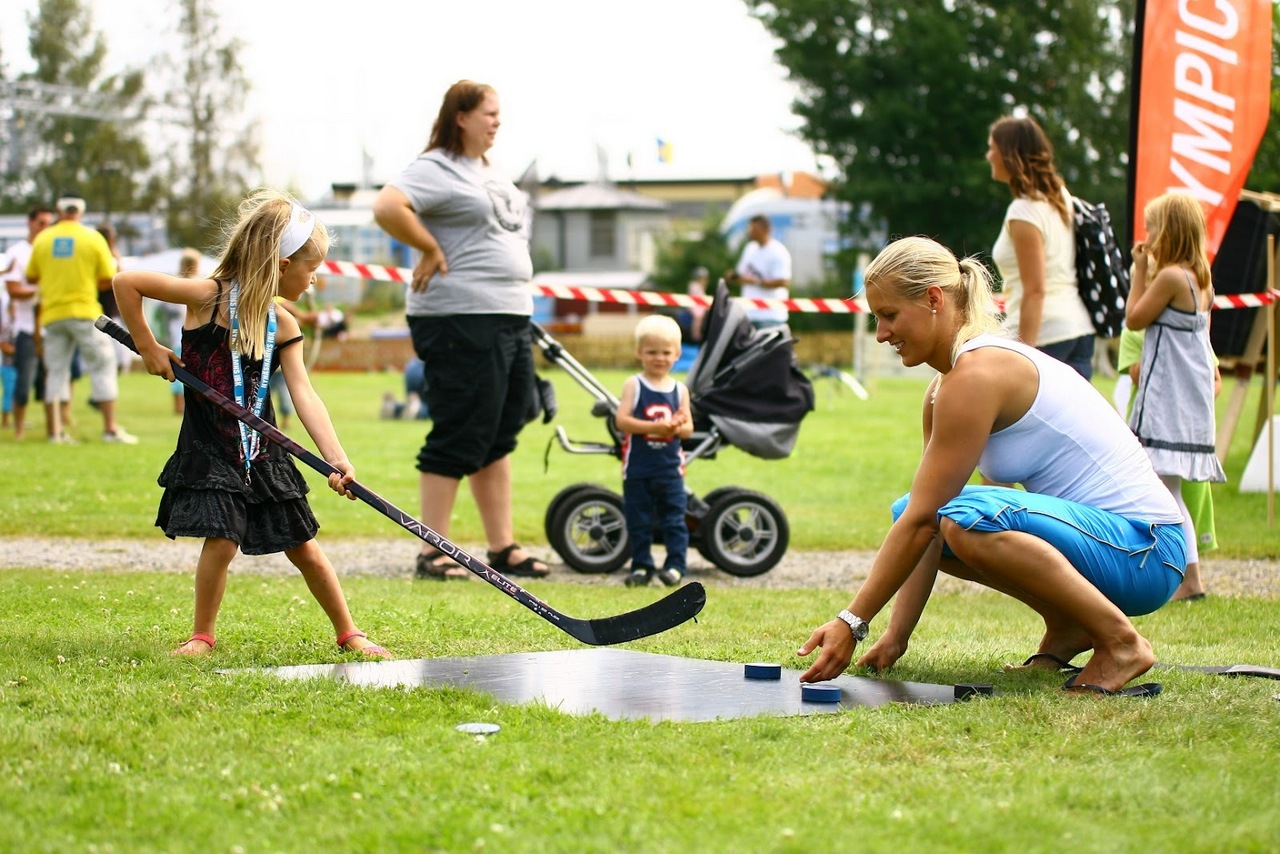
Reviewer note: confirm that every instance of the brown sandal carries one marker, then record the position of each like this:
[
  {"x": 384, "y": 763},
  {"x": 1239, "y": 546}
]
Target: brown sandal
[
  {"x": 438, "y": 566},
  {"x": 530, "y": 567}
]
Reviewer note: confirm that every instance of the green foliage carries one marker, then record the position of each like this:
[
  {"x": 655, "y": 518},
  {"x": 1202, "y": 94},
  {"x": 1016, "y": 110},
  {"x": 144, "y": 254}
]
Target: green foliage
[
  {"x": 105, "y": 161},
  {"x": 901, "y": 96},
  {"x": 1265, "y": 174},
  {"x": 684, "y": 251},
  {"x": 210, "y": 174}
]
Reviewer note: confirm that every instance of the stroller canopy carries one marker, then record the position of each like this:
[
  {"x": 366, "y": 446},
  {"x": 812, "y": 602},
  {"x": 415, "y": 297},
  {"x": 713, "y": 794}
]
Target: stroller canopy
[{"x": 746, "y": 381}]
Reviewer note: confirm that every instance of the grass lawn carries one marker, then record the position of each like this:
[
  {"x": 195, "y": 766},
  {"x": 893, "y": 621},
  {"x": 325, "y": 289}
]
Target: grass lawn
[
  {"x": 108, "y": 744},
  {"x": 852, "y": 460}
]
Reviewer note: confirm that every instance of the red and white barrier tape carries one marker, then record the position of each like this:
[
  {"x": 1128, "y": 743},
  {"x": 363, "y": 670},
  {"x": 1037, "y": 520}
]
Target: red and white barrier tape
[{"x": 619, "y": 296}]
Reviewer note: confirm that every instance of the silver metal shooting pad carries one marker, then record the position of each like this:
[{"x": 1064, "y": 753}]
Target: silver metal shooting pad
[{"x": 622, "y": 684}]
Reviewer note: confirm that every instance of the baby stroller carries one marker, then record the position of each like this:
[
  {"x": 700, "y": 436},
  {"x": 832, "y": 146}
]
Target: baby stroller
[{"x": 746, "y": 391}]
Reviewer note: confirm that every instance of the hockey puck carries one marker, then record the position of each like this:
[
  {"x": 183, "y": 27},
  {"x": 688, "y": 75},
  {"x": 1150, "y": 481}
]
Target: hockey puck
[
  {"x": 820, "y": 693},
  {"x": 966, "y": 690},
  {"x": 762, "y": 670},
  {"x": 478, "y": 729}
]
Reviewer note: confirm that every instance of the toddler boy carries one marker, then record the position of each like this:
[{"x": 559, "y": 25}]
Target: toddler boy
[{"x": 653, "y": 414}]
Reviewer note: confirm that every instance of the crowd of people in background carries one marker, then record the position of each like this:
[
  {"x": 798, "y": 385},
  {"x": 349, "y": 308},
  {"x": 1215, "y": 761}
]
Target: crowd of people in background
[{"x": 58, "y": 283}]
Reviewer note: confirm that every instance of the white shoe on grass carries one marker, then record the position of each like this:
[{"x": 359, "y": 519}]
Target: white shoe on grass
[{"x": 120, "y": 437}]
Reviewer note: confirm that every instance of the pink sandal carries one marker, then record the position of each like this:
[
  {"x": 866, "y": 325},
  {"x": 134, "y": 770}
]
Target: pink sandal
[
  {"x": 198, "y": 636},
  {"x": 371, "y": 651}
]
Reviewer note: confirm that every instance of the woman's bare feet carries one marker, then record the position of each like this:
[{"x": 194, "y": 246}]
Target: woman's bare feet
[
  {"x": 1058, "y": 646},
  {"x": 1113, "y": 666}
]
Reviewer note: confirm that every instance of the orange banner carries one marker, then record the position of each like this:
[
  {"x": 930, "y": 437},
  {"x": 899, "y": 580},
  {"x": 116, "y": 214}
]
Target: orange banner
[{"x": 1204, "y": 102}]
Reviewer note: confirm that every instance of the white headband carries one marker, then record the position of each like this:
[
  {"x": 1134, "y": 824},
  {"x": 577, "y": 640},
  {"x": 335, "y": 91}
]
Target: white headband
[
  {"x": 297, "y": 231},
  {"x": 67, "y": 202}
]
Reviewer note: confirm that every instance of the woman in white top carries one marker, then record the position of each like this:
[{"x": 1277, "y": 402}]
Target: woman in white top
[
  {"x": 1093, "y": 538},
  {"x": 1035, "y": 252}
]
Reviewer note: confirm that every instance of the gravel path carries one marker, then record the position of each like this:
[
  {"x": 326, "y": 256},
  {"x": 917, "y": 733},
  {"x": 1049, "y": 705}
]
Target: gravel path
[{"x": 394, "y": 558}]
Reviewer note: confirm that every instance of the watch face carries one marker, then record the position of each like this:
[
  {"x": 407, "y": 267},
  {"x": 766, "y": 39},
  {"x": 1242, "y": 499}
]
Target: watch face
[{"x": 857, "y": 625}]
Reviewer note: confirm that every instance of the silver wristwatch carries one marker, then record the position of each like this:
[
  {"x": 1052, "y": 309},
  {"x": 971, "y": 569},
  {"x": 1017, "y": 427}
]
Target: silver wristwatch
[{"x": 857, "y": 625}]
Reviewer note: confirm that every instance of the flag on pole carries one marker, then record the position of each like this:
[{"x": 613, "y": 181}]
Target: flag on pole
[
  {"x": 1203, "y": 80},
  {"x": 664, "y": 150}
]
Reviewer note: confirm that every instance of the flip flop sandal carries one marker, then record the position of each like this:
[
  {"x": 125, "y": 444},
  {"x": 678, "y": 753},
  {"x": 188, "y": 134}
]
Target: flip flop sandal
[
  {"x": 371, "y": 651},
  {"x": 438, "y": 566},
  {"x": 530, "y": 567},
  {"x": 1030, "y": 663},
  {"x": 1146, "y": 689},
  {"x": 198, "y": 636},
  {"x": 1226, "y": 670}
]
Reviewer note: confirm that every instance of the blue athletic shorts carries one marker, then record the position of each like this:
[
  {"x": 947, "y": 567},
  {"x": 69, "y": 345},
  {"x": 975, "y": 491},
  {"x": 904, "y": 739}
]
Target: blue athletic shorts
[{"x": 1137, "y": 565}]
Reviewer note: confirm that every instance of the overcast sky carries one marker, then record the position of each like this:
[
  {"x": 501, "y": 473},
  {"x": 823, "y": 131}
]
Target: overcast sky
[{"x": 334, "y": 77}]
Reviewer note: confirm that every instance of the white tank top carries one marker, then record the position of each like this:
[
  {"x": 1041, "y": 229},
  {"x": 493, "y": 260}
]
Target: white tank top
[{"x": 1073, "y": 444}]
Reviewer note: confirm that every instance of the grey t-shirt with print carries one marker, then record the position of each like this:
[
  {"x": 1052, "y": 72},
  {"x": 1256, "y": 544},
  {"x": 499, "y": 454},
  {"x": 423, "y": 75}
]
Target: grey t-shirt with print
[{"x": 479, "y": 219}]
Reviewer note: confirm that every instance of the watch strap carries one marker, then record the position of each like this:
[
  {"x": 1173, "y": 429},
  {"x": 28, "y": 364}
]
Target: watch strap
[{"x": 857, "y": 625}]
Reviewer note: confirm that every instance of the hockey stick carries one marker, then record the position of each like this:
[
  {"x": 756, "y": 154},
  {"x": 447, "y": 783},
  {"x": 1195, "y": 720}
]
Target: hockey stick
[{"x": 666, "y": 613}]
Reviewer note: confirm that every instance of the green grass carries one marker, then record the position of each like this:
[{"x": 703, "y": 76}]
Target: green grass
[
  {"x": 108, "y": 744},
  {"x": 852, "y": 460}
]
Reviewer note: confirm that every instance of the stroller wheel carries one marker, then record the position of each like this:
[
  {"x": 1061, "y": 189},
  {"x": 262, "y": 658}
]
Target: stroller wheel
[
  {"x": 589, "y": 530},
  {"x": 695, "y": 517},
  {"x": 744, "y": 532},
  {"x": 553, "y": 507}
]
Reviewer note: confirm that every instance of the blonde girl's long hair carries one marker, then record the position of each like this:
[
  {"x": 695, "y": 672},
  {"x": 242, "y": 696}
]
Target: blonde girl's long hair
[
  {"x": 252, "y": 257},
  {"x": 910, "y": 266},
  {"x": 1177, "y": 235},
  {"x": 1028, "y": 158}
]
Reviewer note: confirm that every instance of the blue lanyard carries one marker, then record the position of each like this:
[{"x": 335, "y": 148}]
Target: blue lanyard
[{"x": 250, "y": 440}]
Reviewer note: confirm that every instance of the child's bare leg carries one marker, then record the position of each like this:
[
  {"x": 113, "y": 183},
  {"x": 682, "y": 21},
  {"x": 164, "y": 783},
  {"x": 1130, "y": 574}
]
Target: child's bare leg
[
  {"x": 323, "y": 583},
  {"x": 1191, "y": 586},
  {"x": 211, "y": 583}
]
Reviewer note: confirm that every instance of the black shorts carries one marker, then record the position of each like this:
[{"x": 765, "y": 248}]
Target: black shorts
[{"x": 480, "y": 390}]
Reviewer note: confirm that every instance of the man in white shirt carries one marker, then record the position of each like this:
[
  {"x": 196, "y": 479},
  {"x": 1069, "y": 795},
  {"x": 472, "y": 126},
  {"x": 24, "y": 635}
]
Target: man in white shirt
[
  {"x": 23, "y": 297},
  {"x": 763, "y": 271}
]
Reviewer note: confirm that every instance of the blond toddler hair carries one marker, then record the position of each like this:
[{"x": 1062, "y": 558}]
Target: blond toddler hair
[{"x": 658, "y": 327}]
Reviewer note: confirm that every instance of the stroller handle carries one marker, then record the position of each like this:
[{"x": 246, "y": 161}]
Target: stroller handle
[{"x": 583, "y": 447}]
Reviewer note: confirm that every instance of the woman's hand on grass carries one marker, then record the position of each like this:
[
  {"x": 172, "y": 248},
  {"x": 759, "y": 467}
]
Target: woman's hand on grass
[{"x": 884, "y": 653}]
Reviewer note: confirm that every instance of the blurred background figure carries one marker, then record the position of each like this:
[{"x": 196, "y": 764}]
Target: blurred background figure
[
  {"x": 124, "y": 356},
  {"x": 23, "y": 305},
  {"x": 170, "y": 319}
]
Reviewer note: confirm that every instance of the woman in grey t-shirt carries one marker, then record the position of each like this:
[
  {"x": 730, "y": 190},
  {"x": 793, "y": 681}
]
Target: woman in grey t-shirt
[{"x": 468, "y": 309}]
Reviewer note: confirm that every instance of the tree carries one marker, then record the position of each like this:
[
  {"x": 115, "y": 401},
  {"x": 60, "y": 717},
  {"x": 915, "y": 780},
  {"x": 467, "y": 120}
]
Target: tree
[
  {"x": 901, "y": 95},
  {"x": 1265, "y": 174},
  {"x": 680, "y": 253},
  {"x": 212, "y": 170},
  {"x": 95, "y": 148}
]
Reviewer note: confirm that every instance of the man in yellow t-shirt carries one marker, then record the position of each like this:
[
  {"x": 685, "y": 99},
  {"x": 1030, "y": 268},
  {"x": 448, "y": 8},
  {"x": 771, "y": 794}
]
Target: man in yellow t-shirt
[{"x": 72, "y": 263}]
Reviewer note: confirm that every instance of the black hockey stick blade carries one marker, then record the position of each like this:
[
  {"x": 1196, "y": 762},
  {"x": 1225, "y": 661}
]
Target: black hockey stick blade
[{"x": 667, "y": 613}]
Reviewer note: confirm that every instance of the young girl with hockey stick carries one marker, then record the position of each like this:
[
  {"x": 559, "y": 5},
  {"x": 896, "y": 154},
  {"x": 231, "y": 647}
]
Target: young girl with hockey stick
[{"x": 223, "y": 483}]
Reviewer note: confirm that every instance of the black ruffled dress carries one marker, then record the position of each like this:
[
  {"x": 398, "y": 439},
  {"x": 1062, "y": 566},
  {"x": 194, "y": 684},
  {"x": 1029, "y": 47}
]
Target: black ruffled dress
[{"x": 205, "y": 493}]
